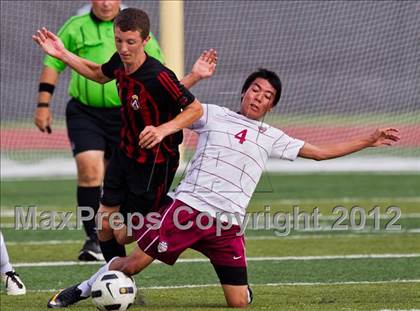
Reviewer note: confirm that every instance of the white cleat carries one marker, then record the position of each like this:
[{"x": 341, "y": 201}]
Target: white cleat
[{"x": 14, "y": 285}]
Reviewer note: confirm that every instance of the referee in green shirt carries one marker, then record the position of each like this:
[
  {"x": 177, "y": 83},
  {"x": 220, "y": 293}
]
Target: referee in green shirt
[{"x": 93, "y": 112}]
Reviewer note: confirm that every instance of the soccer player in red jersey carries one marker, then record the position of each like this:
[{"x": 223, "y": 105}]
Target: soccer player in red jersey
[{"x": 155, "y": 107}]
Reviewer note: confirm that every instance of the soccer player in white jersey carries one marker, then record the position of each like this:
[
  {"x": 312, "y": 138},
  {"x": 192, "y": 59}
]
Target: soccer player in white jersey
[{"x": 231, "y": 154}]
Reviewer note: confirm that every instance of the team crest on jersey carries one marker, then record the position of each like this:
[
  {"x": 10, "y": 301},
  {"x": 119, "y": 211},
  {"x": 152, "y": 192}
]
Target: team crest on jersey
[
  {"x": 162, "y": 247},
  {"x": 183, "y": 101},
  {"x": 262, "y": 129},
  {"x": 135, "y": 102}
]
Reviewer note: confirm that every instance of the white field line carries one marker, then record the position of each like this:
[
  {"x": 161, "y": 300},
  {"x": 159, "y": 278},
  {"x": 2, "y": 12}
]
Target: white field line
[
  {"x": 200, "y": 260},
  {"x": 248, "y": 238},
  {"x": 352, "y": 200},
  {"x": 11, "y": 214},
  {"x": 358, "y": 234},
  {"x": 49, "y": 242},
  {"x": 321, "y": 228},
  {"x": 255, "y": 285},
  {"x": 7, "y": 212}
]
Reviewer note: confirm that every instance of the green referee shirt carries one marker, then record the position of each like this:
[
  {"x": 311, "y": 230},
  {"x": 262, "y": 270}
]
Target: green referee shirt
[{"x": 93, "y": 39}]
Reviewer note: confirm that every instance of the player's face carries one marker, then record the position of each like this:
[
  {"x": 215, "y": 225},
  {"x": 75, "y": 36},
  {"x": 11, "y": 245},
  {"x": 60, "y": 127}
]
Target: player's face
[
  {"x": 258, "y": 99},
  {"x": 106, "y": 10},
  {"x": 130, "y": 45}
]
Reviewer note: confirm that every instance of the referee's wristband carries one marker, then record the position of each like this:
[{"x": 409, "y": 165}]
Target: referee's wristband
[
  {"x": 43, "y": 105},
  {"x": 46, "y": 87}
]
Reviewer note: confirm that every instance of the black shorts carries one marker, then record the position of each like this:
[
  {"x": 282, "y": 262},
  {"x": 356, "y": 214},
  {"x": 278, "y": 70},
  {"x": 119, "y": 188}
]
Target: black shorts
[
  {"x": 136, "y": 187},
  {"x": 91, "y": 128}
]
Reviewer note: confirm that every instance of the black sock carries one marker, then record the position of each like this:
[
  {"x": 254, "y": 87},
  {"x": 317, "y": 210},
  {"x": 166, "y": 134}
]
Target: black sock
[
  {"x": 89, "y": 196},
  {"x": 111, "y": 249}
]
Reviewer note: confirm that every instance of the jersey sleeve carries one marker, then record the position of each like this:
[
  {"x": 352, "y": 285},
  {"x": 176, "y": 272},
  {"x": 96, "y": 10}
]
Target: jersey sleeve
[
  {"x": 65, "y": 35},
  {"x": 152, "y": 48},
  {"x": 108, "y": 68},
  {"x": 204, "y": 119},
  {"x": 286, "y": 147},
  {"x": 174, "y": 90}
]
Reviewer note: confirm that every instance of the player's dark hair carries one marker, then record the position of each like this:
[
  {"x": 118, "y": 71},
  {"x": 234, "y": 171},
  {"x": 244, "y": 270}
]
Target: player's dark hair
[
  {"x": 268, "y": 75},
  {"x": 132, "y": 19}
]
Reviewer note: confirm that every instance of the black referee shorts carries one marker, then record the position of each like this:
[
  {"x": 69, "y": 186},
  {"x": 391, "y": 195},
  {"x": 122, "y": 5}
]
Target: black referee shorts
[
  {"x": 91, "y": 128},
  {"x": 136, "y": 187}
]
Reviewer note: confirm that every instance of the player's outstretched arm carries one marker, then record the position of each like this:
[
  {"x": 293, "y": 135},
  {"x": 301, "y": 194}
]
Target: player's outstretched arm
[
  {"x": 52, "y": 45},
  {"x": 151, "y": 136},
  {"x": 203, "y": 68},
  {"x": 381, "y": 137}
]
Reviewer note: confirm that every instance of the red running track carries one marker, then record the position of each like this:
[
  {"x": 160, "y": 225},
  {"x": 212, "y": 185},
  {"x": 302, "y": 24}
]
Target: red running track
[{"x": 29, "y": 139}]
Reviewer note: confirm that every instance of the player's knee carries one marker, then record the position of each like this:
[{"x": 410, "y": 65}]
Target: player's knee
[
  {"x": 238, "y": 302},
  {"x": 89, "y": 177},
  {"x": 237, "y": 296},
  {"x": 90, "y": 169}
]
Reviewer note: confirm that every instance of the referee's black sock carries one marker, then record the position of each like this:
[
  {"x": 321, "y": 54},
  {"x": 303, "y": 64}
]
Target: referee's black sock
[
  {"x": 89, "y": 197},
  {"x": 111, "y": 249}
]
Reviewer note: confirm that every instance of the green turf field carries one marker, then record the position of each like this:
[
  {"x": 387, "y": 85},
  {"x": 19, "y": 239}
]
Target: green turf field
[{"x": 355, "y": 268}]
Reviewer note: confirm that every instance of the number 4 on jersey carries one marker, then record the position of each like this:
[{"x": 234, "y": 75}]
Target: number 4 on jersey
[{"x": 241, "y": 136}]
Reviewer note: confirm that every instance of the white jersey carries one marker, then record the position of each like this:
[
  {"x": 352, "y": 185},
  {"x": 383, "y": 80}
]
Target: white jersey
[{"x": 230, "y": 157}]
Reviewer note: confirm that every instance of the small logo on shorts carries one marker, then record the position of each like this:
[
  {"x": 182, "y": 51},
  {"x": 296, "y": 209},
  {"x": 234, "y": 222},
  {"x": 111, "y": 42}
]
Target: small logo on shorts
[
  {"x": 162, "y": 247},
  {"x": 135, "y": 102},
  {"x": 237, "y": 257}
]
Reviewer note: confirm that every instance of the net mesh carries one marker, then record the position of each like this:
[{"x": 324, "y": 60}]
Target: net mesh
[{"x": 346, "y": 67}]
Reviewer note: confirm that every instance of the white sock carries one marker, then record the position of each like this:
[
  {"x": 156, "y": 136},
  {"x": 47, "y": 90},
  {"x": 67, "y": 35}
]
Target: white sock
[
  {"x": 5, "y": 265},
  {"x": 86, "y": 286}
]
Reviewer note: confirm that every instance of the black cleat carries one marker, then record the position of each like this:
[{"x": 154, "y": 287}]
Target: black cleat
[
  {"x": 66, "y": 297},
  {"x": 91, "y": 251}
]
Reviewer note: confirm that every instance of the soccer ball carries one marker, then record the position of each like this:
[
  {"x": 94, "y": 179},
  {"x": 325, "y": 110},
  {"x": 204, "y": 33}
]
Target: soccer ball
[{"x": 113, "y": 290}]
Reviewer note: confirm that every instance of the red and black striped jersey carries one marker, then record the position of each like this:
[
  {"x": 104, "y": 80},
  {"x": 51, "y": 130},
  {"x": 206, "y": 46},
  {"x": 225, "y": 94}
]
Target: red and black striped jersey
[{"x": 152, "y": 95}]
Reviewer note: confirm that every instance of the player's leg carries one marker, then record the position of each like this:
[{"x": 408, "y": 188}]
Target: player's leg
[
  {"x": 122, "y": 236},
  {"x": 226, "y": 251},
  {"x": 147, "y": 191},
  {"x": 237, "y": 296},
  {"x": 109, "y": 244},
  {"x": 14, "y": 285},
  {"x": 130, "y": 265},
  {"x": 113, "y": 196},
  {"x": 90, "y": 171},
  {"x": 88, "y": 146}
]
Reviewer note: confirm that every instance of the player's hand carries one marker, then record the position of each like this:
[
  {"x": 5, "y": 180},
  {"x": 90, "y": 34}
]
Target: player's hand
[
  {"x": 384, "y": 137},
  {"x": 43, "y": 119},
  {"x": 49, "y": 42},
  {"x": 151, "y": 136},
  {"x": 205, "y": 66}
]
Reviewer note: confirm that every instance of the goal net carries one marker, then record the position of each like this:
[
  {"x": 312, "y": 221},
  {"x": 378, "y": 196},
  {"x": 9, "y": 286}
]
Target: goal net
[{"x": 347, "y": 67}]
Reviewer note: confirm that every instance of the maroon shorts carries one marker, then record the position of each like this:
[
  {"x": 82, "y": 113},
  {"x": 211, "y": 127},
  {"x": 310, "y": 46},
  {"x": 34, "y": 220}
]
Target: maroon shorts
[{"x": 169, "y": 241}]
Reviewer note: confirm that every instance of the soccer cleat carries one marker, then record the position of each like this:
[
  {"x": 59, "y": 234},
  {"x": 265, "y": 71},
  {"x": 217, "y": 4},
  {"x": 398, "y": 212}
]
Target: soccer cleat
[
  {"x": 14, "y": 285},
  {"x": 66, "y": 297},
  {"x": 91, "y": 251}
]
